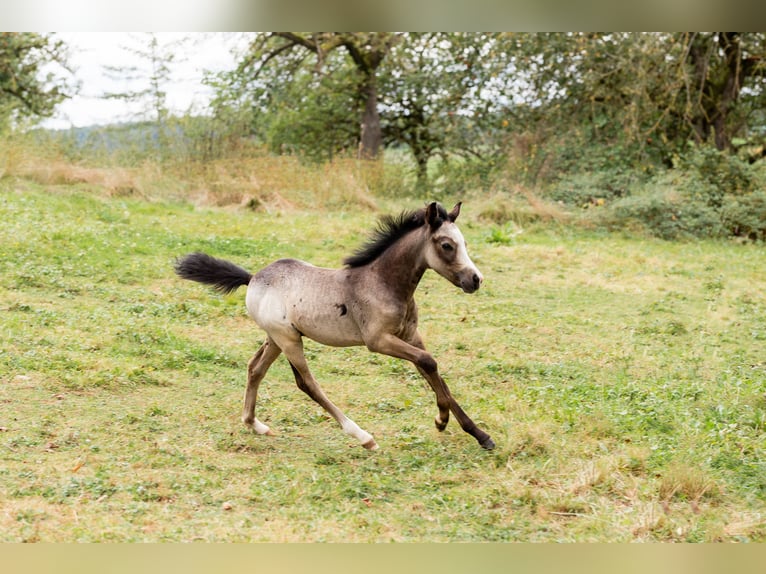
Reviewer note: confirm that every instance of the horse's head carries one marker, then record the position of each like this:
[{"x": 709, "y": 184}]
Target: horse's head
[{"x": 446, "y": 252}]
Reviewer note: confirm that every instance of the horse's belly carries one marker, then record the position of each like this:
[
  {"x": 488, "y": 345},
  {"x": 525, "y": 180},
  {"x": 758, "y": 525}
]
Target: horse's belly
[{"x": 328, "y": 324}]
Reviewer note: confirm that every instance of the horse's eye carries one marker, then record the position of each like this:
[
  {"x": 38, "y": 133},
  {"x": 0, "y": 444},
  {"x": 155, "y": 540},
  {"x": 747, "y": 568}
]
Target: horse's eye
[{"x": 447, "y": 246}]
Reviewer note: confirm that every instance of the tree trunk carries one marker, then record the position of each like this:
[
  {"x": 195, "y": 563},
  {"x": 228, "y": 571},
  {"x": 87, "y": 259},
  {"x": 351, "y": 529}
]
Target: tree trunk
[
  {"x": 715, "y": 85},
  {"x": 699, "y": 56},
  {"x": 729, "y": 41},
  {"x": 421, "y": 160},
  {"x": 371, "y": 137}
]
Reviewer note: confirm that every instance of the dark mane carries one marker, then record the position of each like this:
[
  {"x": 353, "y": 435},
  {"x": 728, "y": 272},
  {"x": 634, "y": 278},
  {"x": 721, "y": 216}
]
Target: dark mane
[{"x": 390, "y": 230}]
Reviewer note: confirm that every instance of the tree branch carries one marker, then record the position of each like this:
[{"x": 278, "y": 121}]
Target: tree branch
[{"x": 297, "y": 40}]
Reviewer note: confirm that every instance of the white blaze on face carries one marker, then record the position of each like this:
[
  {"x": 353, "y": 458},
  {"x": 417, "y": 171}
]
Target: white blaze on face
[{"x": 447, "y": 254}]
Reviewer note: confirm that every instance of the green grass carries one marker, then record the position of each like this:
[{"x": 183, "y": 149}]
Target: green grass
[{"x": 622, "y": 379}]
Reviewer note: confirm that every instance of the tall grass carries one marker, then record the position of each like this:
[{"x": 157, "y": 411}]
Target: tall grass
[{"x": 249, "y": 177}]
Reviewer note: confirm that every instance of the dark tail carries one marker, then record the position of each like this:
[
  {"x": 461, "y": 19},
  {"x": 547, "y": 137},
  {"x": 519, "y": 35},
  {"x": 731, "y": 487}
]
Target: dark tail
[{"x": 224, "y": 276}]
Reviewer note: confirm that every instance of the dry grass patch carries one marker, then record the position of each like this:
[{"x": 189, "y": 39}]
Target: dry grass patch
[
  {"x": 521, "y": 206},
  {"x": 686, "y": 483},
  {"x": 257, "y": 180},
  {"x": 283, "y": 183}
]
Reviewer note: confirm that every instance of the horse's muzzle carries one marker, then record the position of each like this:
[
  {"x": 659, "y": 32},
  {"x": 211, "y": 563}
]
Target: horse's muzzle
[{"x": 471, "y": 282}]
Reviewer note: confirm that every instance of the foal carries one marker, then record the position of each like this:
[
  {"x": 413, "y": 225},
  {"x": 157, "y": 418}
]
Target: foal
[{"x": 368, "y": 302}]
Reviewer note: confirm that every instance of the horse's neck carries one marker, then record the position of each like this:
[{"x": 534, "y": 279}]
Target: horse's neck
[{"x": 402, "y": 265}]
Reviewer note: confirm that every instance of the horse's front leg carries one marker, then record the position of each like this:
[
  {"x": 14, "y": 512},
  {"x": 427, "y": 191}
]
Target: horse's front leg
[
  {"x": 437, "y": 384},
  {"x": 395, "y": 347}
]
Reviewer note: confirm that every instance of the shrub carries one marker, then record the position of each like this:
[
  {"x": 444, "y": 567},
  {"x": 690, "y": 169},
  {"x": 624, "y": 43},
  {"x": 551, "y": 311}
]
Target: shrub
[
  {"x": 712, "y": 175},
  {"x": 745, "y": 216},
  {"x": 665, "y": 214},
  {"x": 585, "y": 189},
  {"x": 708, "y": 194},
  {"x": 457, "y": 175}
]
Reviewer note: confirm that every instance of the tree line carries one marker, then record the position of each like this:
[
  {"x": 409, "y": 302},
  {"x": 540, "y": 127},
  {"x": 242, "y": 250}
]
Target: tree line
[
  {"x": 638, "y": 100},
  {"x": 473, "y": 95}
]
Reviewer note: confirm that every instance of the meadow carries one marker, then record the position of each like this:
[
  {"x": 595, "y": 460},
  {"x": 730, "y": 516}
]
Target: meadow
[{"x": 623, "y": 379}]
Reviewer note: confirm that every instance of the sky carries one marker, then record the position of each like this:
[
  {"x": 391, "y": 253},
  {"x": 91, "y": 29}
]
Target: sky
[{"x": 90, "y": 52}]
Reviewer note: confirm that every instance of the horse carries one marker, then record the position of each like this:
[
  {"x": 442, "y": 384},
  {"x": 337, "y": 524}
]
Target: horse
[{"x": 370, "y": 301}]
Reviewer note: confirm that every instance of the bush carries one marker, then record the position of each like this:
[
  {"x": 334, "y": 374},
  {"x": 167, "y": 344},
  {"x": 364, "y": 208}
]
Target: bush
[
  {"x": 713, "y": 175},
  {"x": 665, "y": 214},
  {"x": 745, "y": 216},
  {"x": 457, "y": 175},
  {"x": 673, "y": 215},
  {"x": 586, "y": 189},
  {"x": 708, "y": 194}
]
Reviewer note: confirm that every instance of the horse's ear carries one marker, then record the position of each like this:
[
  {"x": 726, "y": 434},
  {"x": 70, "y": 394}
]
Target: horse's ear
[
  {"x": 433, "y": 218},
  {"x": 455, "y": 212}
]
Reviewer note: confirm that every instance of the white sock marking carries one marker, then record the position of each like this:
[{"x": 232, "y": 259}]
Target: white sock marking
[{"x": 351, "y": 428}]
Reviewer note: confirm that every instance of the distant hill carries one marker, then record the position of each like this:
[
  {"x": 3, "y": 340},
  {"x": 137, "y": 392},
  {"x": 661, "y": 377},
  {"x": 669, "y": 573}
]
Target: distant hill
[{"x": 138, "y": 136}]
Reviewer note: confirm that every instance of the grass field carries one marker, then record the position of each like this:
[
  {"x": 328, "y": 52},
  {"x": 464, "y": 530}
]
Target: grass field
[{"x": 623, "y": 380}]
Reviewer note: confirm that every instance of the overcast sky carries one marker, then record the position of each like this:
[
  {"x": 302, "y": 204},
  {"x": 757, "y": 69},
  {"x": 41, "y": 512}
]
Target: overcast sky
[{"x": 92, "y": 51}]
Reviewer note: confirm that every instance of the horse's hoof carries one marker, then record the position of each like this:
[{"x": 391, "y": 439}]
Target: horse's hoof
[
  {"x": 487, "y": 444},
  {"x": 440, "y": 426},
  {"x": 370, "y": 444},
  {"x": 259, "y": 428}
]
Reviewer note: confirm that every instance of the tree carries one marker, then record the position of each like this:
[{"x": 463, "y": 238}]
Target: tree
[
  {"x": 146, "y": 82},
  {"x": 31, "y": 82},
  {"x": 366, "y": 51},
  {"x": 719, "y": 66},
  {"x": 610, "y": 92},
  {"x": 433, "y": 95},
  {"x": 559, "y": 101},
  {"x": 429, "y": 94},
  {"x": 646, "y": 90}
]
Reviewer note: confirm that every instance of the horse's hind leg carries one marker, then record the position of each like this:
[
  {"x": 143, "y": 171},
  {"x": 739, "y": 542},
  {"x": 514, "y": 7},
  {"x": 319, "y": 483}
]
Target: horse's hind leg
[
  {"x": 306, "y": 382},
  {"x": 256, "y": 370}
]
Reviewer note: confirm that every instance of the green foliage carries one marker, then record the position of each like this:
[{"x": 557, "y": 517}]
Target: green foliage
[
  {"x": 502, "y": 235},
  {"x": 665, "y": 214},
  {"x": 745, "y": 216},
  {"x": 593, "y": 123},
  {"x": 711, "y": 176},
  {"x": 323, "y": 126},
  {"x": 428, "y": 87},
  {"x": 32, "y": 76},
  {"x": 584, "y": 190},
  {"x": 431, "y": 88},
  {"x": 636, "y": 97},
  {"x": 583, "y": 92},
  {"x": 325, "y": 81},
  {"x": 707, "y": 194},
  {"x": 647, "y": 93}
]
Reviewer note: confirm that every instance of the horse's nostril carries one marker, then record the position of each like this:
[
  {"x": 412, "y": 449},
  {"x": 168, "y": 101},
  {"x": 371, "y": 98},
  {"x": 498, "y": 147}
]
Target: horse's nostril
[{"x": 476, "y": 280}]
